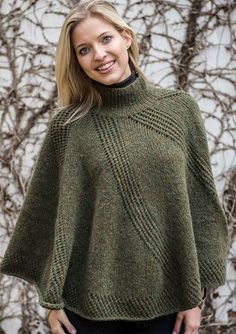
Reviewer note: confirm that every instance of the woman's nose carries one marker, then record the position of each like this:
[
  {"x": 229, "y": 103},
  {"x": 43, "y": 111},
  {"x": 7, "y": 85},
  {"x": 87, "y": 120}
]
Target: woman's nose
[{"x": 99, "y": 53}]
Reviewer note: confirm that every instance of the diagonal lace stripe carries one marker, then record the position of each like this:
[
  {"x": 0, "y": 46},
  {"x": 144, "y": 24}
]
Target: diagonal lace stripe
[
  {"x": 199, "y": 167},
  {"x": 219, "y": 272},
  {"x": 60, "y": 260},
  {"x": 130, "y": 191},
  {"x": 198, "y": 158},
  {"x": 134, "y": 203},
  {"x": 169, "y": 127},
  {"x": 162, "y": 124}
]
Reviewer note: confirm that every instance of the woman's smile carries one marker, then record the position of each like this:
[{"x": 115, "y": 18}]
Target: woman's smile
[{"x": 106, "y": 67}]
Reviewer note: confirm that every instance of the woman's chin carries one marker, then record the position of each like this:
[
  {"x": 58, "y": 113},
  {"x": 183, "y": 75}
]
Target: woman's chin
[
  {"x": 105, "y": 79},
  {"x": 109, "y": 79}
]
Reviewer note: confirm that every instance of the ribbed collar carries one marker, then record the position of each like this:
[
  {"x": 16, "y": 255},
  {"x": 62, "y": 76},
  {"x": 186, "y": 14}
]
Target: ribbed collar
[{"x": 117, "y": 101}]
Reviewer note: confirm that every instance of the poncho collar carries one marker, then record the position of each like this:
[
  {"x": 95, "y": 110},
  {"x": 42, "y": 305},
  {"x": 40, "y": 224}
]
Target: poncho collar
[{"x": 119, "y": 101}]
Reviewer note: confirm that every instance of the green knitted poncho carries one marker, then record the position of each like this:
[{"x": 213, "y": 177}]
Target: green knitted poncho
[{"x": 122, "y": 219}]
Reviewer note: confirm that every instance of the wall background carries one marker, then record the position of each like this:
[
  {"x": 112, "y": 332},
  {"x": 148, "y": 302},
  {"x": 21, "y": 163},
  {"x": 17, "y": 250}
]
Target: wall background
[{"x": 185, "y": 44}]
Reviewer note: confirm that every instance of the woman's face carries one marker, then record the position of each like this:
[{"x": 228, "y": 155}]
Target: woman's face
[{"x": 101, "y": 50}]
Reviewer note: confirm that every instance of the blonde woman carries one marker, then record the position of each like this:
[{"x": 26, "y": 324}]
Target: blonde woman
[{"x": 121, "y": 230}]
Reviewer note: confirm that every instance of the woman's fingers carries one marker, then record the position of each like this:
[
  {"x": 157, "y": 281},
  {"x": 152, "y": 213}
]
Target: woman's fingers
[
  {"x": 68, "y": 325},
  {"x": 56, "y": 319},
  {"x": 191, "y": 329},
  {"x": 56, "y": 328},
  {"x": 191, "y": 320},
  {"x": 192, "y": 326},
  {"x": 178, "y": 323}
]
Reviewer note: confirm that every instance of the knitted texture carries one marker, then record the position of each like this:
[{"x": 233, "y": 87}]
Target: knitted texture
[{"x": 122, "y": 219}]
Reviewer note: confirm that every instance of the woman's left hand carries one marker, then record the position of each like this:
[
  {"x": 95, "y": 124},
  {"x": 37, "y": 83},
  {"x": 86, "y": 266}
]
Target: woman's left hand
[{"x": 191, "y": 319}]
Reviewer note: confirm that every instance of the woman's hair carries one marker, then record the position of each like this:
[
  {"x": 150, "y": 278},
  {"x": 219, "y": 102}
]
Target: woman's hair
[{"x": 74, "y": 86}]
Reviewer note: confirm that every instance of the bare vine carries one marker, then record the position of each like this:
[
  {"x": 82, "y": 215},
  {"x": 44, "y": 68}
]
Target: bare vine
[{"x": 188, "y": 44}]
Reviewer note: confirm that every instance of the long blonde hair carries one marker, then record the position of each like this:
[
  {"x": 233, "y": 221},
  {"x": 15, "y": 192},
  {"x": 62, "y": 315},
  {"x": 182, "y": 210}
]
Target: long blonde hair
[{"x": 73, "y": 84}]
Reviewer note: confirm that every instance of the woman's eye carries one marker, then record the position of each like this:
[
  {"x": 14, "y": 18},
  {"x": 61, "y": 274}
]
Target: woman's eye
[
  {"x": 83, "y": 51},
  {"x": 106, "y": 39}
]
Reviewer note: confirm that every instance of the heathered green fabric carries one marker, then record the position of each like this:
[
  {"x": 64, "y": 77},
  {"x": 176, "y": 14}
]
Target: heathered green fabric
[{"x": 122, "y": 219}]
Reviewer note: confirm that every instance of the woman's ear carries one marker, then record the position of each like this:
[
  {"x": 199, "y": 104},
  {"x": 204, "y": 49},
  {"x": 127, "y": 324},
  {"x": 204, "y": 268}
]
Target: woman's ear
[
  {"x": 128, "y": 44},
  {"x": 127, "y": 37}
]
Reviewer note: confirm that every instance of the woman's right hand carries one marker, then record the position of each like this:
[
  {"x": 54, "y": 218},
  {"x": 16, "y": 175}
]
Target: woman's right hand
[{"x": 57, "y": 318}]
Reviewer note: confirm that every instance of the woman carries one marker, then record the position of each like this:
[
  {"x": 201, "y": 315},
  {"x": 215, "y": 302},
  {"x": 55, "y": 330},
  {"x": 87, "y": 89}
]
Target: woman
[{"x": 121, "y": 230}]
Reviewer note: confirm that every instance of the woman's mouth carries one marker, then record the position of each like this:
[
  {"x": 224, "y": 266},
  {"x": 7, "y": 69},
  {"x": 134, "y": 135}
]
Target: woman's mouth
[{"x": 107, "y": 67}]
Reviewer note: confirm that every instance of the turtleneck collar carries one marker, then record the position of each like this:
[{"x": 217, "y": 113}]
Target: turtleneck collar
[{"x": 119, "y": 101}]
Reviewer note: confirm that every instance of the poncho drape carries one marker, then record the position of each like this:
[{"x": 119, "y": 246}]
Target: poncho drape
[{"x": 121, "y": 219}]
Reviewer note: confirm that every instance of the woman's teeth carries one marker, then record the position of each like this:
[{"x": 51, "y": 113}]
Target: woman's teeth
[{"x": 106, "y": 66}]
